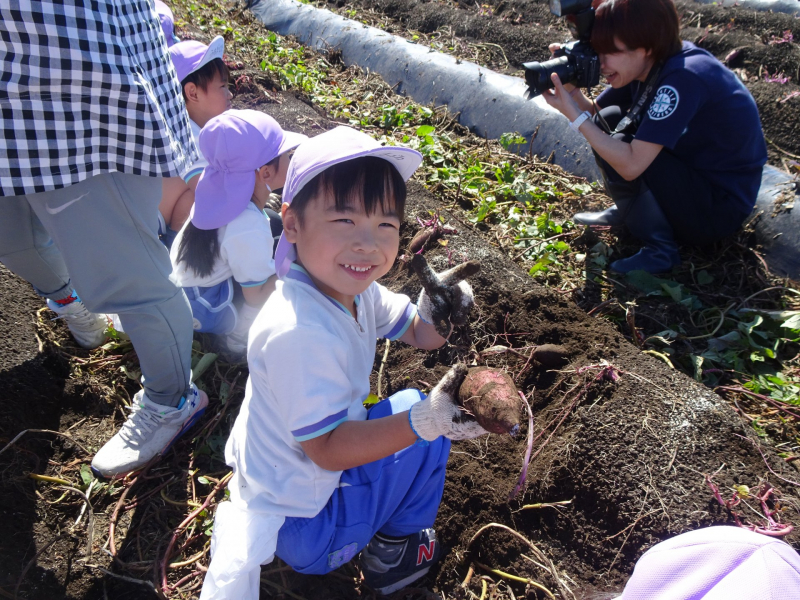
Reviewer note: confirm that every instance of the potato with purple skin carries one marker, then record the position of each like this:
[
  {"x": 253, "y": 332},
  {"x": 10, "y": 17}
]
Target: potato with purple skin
[
  {"x": 423, "y": 237},
  {"x": 491, "y": 396}
]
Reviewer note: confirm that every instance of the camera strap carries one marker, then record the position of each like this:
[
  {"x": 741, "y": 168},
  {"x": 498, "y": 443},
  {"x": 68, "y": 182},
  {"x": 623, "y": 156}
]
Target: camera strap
[{"x": 633, "y": 116}]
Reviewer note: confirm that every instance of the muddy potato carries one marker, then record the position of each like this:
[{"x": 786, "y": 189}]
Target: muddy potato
[
  {"x": 551, "y": 356},
  {"x": 423, "y": 236},
  {"x": 492, "y": 397}
]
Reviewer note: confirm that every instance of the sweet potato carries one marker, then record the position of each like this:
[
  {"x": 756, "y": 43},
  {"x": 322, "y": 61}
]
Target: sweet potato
[
  {"x": 492, "y": 397},
  {"x": 423, "y": 237},
  {"x": 551, "y": 356},
  {"x": 432, "y": 230}
]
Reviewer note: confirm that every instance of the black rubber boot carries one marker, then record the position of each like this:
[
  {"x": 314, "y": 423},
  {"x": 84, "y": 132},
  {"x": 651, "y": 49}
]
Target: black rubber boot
[
  {"x": 610, "y": 216},
  {"x": 647, "y": 222},
  {"x": 621, "y": 192}
]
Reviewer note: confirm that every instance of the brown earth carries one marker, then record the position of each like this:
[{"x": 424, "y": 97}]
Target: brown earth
[
  {"x": 628, "y": 455},
  {"x": 524, "y": 29}
]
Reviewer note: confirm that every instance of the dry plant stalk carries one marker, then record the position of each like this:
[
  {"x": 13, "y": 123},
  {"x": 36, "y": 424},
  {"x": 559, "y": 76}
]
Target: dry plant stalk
[{"x": 540, "y": 556}]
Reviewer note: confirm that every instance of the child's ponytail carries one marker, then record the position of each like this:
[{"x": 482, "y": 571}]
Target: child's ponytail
[{"x": 199, "y": 249}]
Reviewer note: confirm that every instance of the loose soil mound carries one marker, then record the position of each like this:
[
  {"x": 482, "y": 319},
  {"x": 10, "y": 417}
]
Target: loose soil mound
[
  {"x": 630, "y": 456},
  {"x": 621, "y": 438}
]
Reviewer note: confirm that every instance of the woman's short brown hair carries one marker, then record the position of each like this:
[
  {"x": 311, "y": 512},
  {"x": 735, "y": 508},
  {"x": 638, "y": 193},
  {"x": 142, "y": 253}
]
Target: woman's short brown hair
[{"x": 650, "y": 24}]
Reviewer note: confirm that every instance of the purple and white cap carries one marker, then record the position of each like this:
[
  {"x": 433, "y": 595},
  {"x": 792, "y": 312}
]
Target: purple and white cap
[
  {"x": 235, "y": 144},
  {"x": 716, "y": 563},
  {"x": 167, "y": 20},
  {"x": 190, "y": 55},
  {"x": 325, "y": 150}
]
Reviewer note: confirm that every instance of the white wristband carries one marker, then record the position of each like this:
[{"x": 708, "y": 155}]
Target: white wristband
[{"x": 576, "y": 124}]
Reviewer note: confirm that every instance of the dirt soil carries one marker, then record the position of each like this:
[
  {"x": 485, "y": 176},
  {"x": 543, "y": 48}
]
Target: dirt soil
[
  {"x": 622, "y": 442},
  {"x": 754, "y": 44}
]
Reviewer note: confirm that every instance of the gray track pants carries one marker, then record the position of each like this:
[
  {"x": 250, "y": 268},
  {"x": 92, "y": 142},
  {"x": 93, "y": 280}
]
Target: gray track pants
[{"x": 105, "y": 234}]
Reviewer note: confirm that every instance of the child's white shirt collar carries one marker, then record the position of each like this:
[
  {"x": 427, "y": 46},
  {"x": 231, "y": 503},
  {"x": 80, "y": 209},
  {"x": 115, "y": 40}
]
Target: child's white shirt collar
[{"x": 298, "y": 273}]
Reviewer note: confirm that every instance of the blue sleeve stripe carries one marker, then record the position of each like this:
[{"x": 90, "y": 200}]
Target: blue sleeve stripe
[
  {"x": 192, "y": 173},
  {"x": 317, "y": 429},
  {"x": 252, "y": 283},
  {"x": 403, "y": 323}
]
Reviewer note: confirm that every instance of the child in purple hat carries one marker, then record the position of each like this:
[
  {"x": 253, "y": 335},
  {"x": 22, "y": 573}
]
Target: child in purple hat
[
  {"x": 167, "y": 20},
  {"x": 222, "y": 257},
  {"x": 318, "y": 478},
  {"x": 716, "y": 563},
  {"x": 204, "y": 81}
]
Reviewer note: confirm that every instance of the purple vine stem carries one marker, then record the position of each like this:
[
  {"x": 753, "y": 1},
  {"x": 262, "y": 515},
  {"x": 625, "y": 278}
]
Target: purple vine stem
[
  {"x": 524, "y": 472},
  {"x": 772, "y": 529}
]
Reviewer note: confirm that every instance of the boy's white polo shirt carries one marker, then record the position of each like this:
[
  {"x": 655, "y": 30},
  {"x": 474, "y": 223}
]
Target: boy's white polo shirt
[
  {"x": 245, "y": 253},
  {"x": 310, "y": 363},
  {"x": 195, "y": 168}
]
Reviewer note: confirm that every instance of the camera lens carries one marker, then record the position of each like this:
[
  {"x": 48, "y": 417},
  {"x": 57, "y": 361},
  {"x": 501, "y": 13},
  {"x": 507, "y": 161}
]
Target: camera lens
[{"x": 537, "y": 75}]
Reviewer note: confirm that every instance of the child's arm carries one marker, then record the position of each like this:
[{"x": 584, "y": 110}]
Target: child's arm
[
  {"x": 257, "y": 295},
  {"x": 172, "y": 188},
  {"x": 177, "y": 198},
  {"x": 180, "y": 214},
  {"x": 422, "y": 335},
  {"x": 356, "y": 443}
]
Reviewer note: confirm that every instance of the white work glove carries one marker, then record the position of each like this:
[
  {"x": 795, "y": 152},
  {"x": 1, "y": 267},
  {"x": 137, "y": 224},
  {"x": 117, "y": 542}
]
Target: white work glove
[
  {"x": 445, "y": 299},
  {"x": 440, "y": 414}
]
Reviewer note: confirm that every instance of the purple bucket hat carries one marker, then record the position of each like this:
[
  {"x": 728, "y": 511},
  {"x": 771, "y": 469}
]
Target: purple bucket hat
[
  {"x": 325, "y": 150},
  {"x": 716, "y": 563},
  {"x": 167, "y": 22},
  {"x": 190, "y": 55},
  {"x": 235, "y": 144}
]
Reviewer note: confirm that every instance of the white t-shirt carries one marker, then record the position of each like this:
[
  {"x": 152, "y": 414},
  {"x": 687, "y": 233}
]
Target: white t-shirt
[
  {"x": 195, "y": 168},
  {"x": 310, "y": 362},
  {"x": 245, "y": 252}
]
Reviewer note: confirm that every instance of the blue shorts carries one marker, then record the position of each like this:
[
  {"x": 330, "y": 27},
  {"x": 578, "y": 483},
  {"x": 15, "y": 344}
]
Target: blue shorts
[
  {"x": 397, "y": 496},
  {"x": 213, "y": 310},
  {"x": 165, "y": 234}
]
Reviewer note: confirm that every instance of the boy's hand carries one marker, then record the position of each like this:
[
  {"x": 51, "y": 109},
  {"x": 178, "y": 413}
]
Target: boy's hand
[
  {"x": 446, "y": 299},
  {"x": 439, "y": 414}
]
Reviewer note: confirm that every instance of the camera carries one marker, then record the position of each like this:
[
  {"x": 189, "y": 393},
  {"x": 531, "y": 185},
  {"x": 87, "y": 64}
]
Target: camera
[{"x": 576, "y": 63}]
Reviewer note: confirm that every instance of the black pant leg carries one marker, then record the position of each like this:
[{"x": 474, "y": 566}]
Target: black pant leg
[
  {"x": 697, "y": 213},
  {"x": 611, "y": 116}
]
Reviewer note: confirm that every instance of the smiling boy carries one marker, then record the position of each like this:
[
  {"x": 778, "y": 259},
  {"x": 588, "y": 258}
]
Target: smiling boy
[{"x": 318, "y": 478}]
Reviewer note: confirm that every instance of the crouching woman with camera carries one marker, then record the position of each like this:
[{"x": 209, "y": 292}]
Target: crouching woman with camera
[{"x": 677, "y": 136}]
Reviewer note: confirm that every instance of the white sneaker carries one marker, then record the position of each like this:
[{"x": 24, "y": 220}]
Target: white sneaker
[
  {"x": 116, "y": 323},
  {"x": 149, "y": 431},
  {"x": 87, "y": 328},
  {"x": 236, "y": 345}
]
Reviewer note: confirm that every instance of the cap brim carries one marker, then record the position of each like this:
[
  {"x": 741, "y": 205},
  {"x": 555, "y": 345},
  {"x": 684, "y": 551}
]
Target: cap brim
[
  {"x": 291, "y": 140},
  {"x": 221, "y": 197},
  {"x": 405, "y": 160},
  {"x": 215, "y": 50}
]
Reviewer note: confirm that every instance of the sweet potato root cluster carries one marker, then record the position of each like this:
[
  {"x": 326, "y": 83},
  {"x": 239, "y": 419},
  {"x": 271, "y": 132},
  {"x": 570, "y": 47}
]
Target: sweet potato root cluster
[
  {"x": 492, "y": 397},
  {"x": 432, "y": 230}
]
